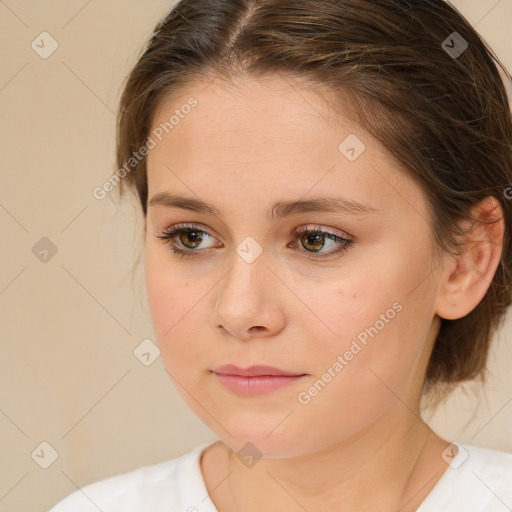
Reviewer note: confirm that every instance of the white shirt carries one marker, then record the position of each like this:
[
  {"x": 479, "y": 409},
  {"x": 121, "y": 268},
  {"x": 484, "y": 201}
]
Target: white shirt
[{"x": 477, "y": 480}]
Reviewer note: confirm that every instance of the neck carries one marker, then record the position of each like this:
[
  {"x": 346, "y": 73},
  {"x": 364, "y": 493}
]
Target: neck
[{"x": 391, "y": 466}]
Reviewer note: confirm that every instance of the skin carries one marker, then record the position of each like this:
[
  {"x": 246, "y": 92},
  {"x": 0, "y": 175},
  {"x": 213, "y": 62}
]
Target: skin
[{"x": 245, "y": 146}]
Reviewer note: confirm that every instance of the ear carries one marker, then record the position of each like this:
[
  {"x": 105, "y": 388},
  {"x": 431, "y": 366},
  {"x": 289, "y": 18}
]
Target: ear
[{"x": 466, "y": 278}]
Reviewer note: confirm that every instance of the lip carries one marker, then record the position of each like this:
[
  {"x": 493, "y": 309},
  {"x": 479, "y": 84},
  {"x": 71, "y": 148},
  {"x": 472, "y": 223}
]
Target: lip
[
  {"x": 256, "y": 380},
  {"x": 253, "y": 371}
]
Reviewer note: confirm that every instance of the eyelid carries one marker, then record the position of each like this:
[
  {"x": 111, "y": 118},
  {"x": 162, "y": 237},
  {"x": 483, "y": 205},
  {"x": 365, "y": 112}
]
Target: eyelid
[
  {"x": 325, "y": 229},
  {"x": 172, "y": 231},
  {"x": 299, "y": 230},
  {"x": 191, "y": 226},
  {"x": 344, "y": 240}
]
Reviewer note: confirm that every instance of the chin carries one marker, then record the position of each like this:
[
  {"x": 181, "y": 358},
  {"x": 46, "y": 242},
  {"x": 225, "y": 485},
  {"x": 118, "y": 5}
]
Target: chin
[
  {"x": 257, "y": 435},
  {"x": 264, "y": 447}
]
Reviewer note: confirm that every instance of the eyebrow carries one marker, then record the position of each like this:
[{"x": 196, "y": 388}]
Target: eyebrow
[{"x": 279, "y": 209}]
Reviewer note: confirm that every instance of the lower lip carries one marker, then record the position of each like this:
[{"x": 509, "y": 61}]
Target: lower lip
[{"x": 258, "y": 385}]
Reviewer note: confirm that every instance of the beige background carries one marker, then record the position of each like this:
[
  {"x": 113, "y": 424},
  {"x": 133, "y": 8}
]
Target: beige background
[{"x": 69, "y": 326}]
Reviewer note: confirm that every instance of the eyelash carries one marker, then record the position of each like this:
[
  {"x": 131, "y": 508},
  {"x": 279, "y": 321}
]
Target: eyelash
[{"x": 171, "y": 233}]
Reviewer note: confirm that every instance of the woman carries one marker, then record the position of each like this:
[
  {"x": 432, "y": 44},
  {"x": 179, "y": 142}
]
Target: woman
[{"x": 327, "y": 242}]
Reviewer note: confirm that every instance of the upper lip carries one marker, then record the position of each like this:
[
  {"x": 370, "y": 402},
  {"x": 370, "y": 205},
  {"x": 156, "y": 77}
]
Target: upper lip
[{"x": 252, "y": 371}]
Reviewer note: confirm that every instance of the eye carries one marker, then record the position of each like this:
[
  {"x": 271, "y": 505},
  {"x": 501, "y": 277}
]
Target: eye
[
  {"x": 314, "y": 240},
  {"x": 186, "y": 239}
]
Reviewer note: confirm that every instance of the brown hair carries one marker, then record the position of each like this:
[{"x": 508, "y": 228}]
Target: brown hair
[{"x": 444, "y": 117}]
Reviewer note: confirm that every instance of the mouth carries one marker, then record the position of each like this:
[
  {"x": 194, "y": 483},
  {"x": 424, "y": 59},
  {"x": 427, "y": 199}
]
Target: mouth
[{"x": 256, "y": 380}]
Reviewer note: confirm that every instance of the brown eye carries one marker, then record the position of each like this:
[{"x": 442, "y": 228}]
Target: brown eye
[
  {"x": 315, "y": 240},
  {"x": 312, "y": 241},
  {"x": 194, "y": 238},
  {"x": 187, "y": 239}
]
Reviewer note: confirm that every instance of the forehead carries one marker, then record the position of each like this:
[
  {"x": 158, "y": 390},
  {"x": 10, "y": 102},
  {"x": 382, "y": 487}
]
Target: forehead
[
  {"x": 271, "y": 135},
  {"x": 271, "y": 108}
]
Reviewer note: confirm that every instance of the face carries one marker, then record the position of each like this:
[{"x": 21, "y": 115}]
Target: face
[{"x": 342, "y": 295}]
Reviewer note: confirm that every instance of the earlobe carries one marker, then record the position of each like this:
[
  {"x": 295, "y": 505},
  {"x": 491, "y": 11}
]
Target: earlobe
[{"x": 467, "y": 277}]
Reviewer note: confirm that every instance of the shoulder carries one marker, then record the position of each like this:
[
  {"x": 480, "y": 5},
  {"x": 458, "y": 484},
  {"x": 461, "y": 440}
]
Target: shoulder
[
  {"x": 490, "y": 466},
  {"x": 476, "y": 479},
  {"x": 170, "y": 485}
]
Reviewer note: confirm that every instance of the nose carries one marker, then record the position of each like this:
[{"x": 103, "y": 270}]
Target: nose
[{"x": 247, "y": 303}]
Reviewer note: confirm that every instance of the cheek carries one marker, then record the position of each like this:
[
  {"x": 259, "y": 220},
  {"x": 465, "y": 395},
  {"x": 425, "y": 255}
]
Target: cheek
[
  {"x": 174, "y": 305},
  {"x": 358, "y": 373},
  {"x": 373, "y": 322},
  {"x": 159, "y": 288},
  {"x": 343, "y": 309}
]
